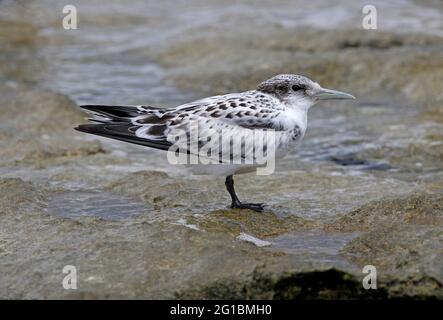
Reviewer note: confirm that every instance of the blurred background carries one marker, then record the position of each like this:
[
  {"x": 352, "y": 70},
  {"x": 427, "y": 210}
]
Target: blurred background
[{"x": 365, "y": 187}]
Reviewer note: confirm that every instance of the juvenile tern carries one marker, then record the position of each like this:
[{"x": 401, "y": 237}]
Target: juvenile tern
[{"x": 279, "y": 105}]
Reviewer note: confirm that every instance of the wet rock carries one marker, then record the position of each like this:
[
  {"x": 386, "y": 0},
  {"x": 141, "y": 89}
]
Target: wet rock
[
  {"x": 59, "y": 153},
  {"x": 317, "y": 284},
  {"x": 38, "y": 126},
  {"x": 115, "y": 259},
  {"x": 422, "y": 209},
  {"x": 265, "y": 224},
  {"x": 37, "y": 110},
  {"x": 408, "y": 258},
  {"x": 16, "y": 194},
  {"x": 164, "y": 191}
]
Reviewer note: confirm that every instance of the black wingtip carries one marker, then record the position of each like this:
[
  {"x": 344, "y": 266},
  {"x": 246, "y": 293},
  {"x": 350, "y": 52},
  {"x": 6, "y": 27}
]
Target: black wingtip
[
  {"x": 78, "y": 128},
  {"x": 113, "y": 112},
  {"x": 92, "y": 107},
  {"x": 121, "y": 132},
  {"x": 88, "y": 128}
]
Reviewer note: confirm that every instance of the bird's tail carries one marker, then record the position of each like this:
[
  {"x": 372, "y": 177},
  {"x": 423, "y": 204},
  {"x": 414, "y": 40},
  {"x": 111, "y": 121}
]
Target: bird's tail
[
  {"x": 112, "y": 113},
  {"x": 115, "y": 122}
]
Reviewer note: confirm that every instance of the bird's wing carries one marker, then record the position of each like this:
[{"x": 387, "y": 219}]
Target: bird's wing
[
  {"x": 116, "y": 122},
  {"x": 213, "y": 127},
  {"x": 249, "y": 110},
  {"x": 191, "y": 127}
]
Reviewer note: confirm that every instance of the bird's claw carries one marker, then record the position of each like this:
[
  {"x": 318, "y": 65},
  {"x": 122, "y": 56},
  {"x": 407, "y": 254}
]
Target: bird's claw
[{"x": 259, "y": 207}]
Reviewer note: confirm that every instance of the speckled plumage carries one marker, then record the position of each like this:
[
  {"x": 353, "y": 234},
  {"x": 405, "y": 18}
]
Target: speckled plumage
[
  {"x": 238, "y": 113},
  {"x": 277, "y": 107}
]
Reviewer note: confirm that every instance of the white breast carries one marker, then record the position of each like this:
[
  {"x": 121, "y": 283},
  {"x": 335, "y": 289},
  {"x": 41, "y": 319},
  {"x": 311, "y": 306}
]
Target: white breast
[{"x": 293, "y": 118}]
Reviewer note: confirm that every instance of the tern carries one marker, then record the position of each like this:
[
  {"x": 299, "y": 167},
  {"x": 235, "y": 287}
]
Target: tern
[{"x": 279, "y": 105}]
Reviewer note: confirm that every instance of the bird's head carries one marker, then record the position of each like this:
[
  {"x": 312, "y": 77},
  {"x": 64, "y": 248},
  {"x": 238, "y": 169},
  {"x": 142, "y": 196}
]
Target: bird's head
[{"x": 299, "y": 90}]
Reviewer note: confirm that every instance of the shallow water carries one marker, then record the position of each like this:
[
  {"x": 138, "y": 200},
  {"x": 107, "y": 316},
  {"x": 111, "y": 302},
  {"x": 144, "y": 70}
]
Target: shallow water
[
  {"x": 320, "y": 247},
  {"x": 109, "y": 59},
  {"x": 77, "y": 204}
]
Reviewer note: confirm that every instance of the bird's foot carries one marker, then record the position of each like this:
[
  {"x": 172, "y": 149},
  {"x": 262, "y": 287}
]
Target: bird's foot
[{"x": 259, "y": 207}]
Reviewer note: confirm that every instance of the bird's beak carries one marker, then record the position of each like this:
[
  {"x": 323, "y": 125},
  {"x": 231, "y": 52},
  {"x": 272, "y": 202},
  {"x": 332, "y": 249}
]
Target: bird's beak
[{"x": 328, "y": 94}]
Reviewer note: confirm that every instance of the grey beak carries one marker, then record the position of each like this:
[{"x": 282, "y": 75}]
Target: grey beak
[{"x": 328, "y": 94}]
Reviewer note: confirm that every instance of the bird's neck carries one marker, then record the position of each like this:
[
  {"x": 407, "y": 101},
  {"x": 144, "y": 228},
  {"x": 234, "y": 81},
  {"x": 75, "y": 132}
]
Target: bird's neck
[{"x": 295, "y": 116}]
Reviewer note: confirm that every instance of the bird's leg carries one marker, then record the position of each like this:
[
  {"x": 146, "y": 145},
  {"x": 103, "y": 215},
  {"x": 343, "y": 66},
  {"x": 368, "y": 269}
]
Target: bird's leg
[
  {"x": 236, "y": 203},
  {"x": 229, "y": 183}
]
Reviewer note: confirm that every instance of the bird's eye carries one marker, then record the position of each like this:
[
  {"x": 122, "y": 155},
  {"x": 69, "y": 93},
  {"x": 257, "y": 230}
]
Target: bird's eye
[{"x": 297, "y": 88}]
